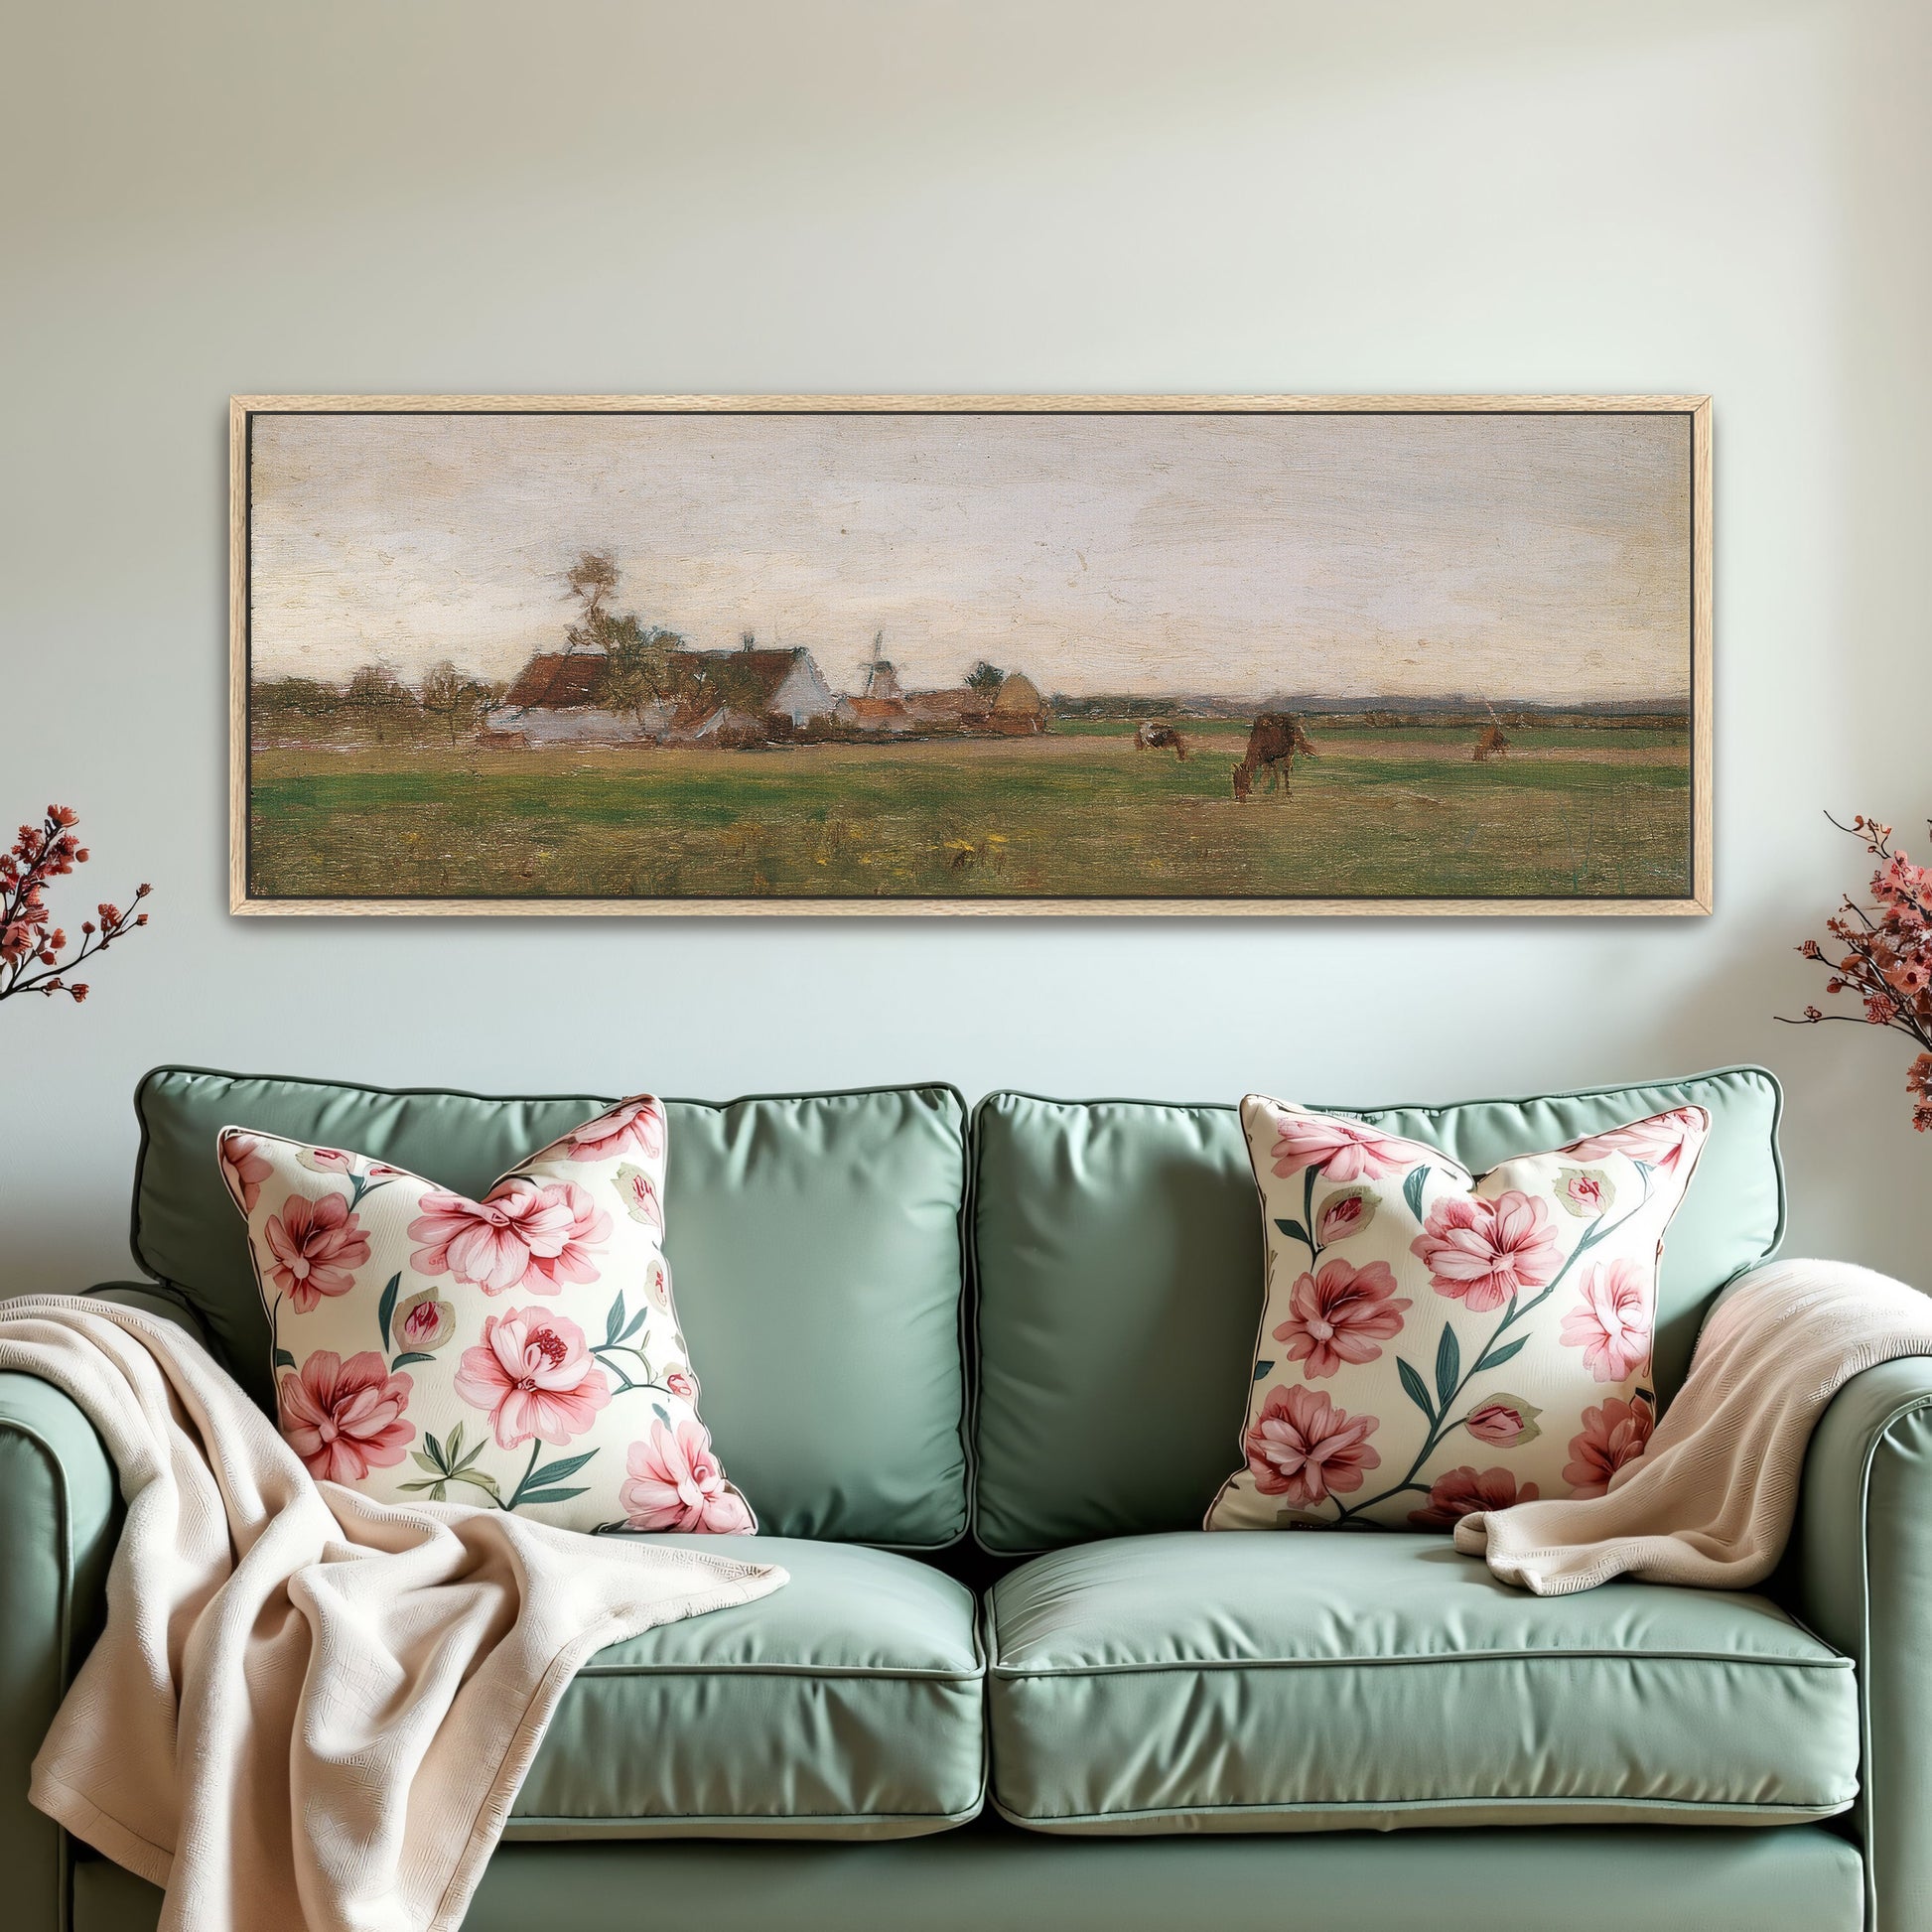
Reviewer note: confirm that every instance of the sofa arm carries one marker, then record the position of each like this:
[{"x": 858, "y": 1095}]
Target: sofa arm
[
  {"x": 1859, "y": 1573},
  {"x": 59, "y": 1516}
]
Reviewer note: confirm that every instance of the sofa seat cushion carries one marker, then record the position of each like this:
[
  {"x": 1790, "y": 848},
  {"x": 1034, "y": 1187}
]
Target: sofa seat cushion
[
  {"x": 847, "y": 1704},
  {"x": 1334, "y": 1680}
]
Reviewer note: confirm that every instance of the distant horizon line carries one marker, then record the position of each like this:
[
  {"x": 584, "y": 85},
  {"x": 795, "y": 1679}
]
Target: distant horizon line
[{"x": 1275, "y": 699}]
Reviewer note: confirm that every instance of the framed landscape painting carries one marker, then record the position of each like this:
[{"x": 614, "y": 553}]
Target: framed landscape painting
[{"x": 1182, "y": 654}]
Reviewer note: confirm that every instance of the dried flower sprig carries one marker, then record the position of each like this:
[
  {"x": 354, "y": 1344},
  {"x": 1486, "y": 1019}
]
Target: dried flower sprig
[
  {"x": 31, "y": 944},
  {"x": 1881, "y": 956}
]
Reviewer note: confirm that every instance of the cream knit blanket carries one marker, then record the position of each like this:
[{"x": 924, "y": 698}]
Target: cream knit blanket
[
  {"x": 1711, "y": 1500},
  {"x": 307, "y": 1707}
]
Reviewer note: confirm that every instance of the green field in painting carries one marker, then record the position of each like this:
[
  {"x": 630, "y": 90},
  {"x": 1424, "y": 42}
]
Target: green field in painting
[{"x": 1079, "y": 813}]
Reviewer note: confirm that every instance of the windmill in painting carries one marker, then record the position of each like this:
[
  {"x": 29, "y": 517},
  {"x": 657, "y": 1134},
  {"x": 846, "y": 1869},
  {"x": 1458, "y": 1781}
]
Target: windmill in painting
[{"x": 862, "y": 657}]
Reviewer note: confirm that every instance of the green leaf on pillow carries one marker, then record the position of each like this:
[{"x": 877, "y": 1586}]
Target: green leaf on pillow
[
  {"x": 386, "y": 1308},
  {"x": 1498, "y": 1356},
  {"x": 613, "y": 1321},
  {"x": 424, "y": 1461},
  {"x": 1448, "y": 1366},
  {"x": 662, "y": 1414},
  {"x": 283, "y": 1359},
  {"x": 404, "y": 1361},
  {"x": 436, "y": 1448},
  {"x": 1261, "y": 1369},
  {"x": 1295, "y": 1232},
  {"x": 1417, "y": 1389},
  {"x": 557, "y": 1471},
  {"x": 635, "y": 1323},
  {"x": 547, "y": 1496},
  {"x": 1412, "y": 1189}
]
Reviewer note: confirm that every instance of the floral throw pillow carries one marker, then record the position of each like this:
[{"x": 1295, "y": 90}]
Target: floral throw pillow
[
  {"x": 1434, "y": 1342},
  {"x": 520, "y": 1351}
]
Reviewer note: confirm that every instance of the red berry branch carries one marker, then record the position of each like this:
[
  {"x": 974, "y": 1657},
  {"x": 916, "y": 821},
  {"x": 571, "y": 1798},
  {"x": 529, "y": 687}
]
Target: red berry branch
[
  {"x": 1882, "y": 954},
  {"x": 31, "y": 944}
]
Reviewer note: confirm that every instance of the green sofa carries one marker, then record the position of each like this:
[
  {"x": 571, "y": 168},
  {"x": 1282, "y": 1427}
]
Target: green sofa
[{"x": 979, "y": 1373}]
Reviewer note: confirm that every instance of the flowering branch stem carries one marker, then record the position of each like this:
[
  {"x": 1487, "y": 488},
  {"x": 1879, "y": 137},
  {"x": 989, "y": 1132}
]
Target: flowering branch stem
[
  {"x": 1849, "y": 1018},
  {"x": 523, "y": 1481},
  {"x": 625, "y": 1381},
  {"x": 31, "y": 945},
  {"x": 1887, "y": 957}
]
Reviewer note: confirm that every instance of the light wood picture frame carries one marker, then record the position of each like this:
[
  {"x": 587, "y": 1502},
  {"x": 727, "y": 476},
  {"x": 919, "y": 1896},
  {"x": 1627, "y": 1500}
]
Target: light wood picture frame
[{"x": 1175, "y": 656}]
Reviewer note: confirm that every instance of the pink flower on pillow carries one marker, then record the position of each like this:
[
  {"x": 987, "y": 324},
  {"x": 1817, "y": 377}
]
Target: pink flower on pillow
[
  {"x": 564, "y": 1232},
  {"x": 682, "y": 1384},
  {"x": 1303, "y": 1447},
  {"x": 1462, "y": 1491},
  {"x": 480, "y": 1243},
  {"x": 1343, "y": 1150},
  {"x": 1611, "y": 1323},
  {"x": 1342, "y": 1314},
  {"x": 1613, "y": 1437},
  {"x": 317, "y": 1246},
  {"x": 1481, "y": 1252},
  {"x": 523, "y": 1235},
  {"x": 244, "y": 1167},
  {"x": 1664, "y": 1141},
  {"x": 675, "y": 1483},
  {"x": 345, "y": 1418},
  {"x": 534, "y": 1375},
  {"x": 636, "y": 1123}
]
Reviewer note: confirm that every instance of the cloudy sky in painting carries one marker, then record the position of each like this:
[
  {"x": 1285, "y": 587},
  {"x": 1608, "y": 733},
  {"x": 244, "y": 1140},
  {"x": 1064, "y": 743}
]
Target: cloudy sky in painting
[{"x": 1525, "y": 557}]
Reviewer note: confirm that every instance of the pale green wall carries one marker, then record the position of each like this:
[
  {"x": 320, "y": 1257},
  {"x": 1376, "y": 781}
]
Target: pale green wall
[{"x": 201, "y": 199}]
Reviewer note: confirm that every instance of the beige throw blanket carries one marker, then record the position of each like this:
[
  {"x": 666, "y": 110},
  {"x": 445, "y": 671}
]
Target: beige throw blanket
[
  {"x": 309, "y": 1709},
  {"x": 1711, "y": 1500}
]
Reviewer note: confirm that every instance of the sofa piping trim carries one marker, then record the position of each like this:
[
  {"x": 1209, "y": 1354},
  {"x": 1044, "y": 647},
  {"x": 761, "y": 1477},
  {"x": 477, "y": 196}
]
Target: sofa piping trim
[
  {"x": 1050, "y": 1673},
  {"x": 670, "y": 1824},
  {"x": 1554, "y": 1654},
  {"x": 1741, "y": 1810},
  {"x": 887, "y": 1673},
  {"x": 908, "y": 1673}
]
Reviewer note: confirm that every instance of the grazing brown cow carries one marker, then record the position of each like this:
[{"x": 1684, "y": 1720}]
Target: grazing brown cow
[
  {"x": 1160, "y": 738},
  {"x": 1272, "y": 744},
  {"x": 1491, "y": 745}
]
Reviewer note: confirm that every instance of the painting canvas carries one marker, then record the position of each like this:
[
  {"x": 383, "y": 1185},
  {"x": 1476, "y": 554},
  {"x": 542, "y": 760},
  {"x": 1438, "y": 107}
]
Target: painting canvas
[{"x": 1024, "y": 654}]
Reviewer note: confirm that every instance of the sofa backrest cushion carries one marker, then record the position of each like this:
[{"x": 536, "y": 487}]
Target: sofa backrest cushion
[
  {"x": 816, "y": 1241},
  {"x": 1117, "y": 1259}
]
